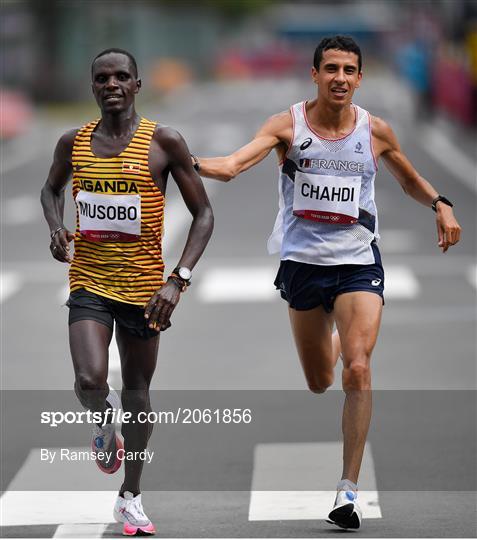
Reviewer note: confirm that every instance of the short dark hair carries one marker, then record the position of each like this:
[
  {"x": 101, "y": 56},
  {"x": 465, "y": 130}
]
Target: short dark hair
[
  {"x": 118, "y": 51},
  {"x": 340, "y": 43}
]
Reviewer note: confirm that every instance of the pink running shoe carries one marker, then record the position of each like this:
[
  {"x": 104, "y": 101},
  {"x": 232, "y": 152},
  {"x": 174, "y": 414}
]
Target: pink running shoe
[{"x": 129, "y": 510}]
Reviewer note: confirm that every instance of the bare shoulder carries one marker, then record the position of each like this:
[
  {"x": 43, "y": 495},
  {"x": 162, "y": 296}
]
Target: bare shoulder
[
  {"x": 67, "y": 140},
  {"x": 278, "y": 122},
  {"x": 380, "y": 128},
  {"x": 64, "y": 146},
  {"x": 384, "y": 138},
  {"x": 279, "y": 126},
  {"x": 167, "y": 136}
]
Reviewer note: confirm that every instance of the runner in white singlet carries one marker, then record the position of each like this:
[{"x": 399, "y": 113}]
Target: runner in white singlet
[{"x": 326, "y": 232}]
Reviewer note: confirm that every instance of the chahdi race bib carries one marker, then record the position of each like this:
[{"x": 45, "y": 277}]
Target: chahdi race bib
[
  {"x": 327, "y": 199},
  {"x": 109, "y": 218}
]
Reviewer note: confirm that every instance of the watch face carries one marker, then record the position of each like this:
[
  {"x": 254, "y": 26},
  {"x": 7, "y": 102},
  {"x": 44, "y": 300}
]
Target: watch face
[{"x": 185, "y": 273}]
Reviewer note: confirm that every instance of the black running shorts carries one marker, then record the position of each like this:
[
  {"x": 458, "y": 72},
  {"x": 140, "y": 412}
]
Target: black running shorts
[
  {"x": 307, "y": 286},
  {"x": 86, "y": 305}
]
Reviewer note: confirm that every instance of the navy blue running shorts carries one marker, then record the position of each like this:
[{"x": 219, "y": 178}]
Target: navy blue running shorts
[
  {"x": 307, "y": 286},
  {"x": 86, "y": 305}
]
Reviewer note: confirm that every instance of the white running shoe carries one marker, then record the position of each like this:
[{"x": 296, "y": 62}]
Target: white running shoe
[
  {"x": 105, "y": 443},
  {"x": 113, "y": 400},
  {"x": 346, "y": 513},
  {"x": 129, "y": 510}
]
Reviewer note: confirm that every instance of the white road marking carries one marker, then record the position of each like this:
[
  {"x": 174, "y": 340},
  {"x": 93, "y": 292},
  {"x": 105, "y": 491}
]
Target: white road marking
[
  {"x": 81, "y": 530},
  {"x": 435, "y": 143},
  {"x": 20, "y": 210},
  {"x": 114, "y": 361},
  {"x": 398, "y": 241},
  {"x": 400, "y": 282},
  {"x": 295, "y": 470},
  {"x": 48, "y": 507},
  {"x": 255, "y": 284},
  {"x": 10, "y": 283},
  {"x": 63, "y": 294},
  {"x": 472, "y": 276},
  {"x": 238, "y": 284}
]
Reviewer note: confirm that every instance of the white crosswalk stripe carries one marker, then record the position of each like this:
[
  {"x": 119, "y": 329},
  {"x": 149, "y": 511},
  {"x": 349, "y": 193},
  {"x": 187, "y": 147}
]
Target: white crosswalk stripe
[
  {"x": 50, "y": 507},
  {"x": 80, "y": 530},
  {"x": 255, "y": 284},
  {"x": 472, "y": 275},
  {"x": 238, "y": 284},
  {"x": 285, "y": 477},
  {"x": 400, "y": 283},
  {"x": 10, "y": 283}
]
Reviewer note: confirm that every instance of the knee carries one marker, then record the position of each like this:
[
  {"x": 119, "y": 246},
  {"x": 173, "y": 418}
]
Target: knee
[
  {"x": 90, "y": 383},
  {"x": 357, "y": 376},
  {"x": 135, "y": 400},
  {"x": 320, "y": 384}
]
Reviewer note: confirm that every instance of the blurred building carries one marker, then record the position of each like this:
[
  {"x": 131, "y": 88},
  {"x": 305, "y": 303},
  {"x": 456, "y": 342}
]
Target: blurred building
[{"x": 47, "y": 47}]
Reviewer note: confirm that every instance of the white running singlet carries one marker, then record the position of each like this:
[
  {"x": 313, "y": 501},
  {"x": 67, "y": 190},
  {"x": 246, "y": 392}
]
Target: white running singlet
[{"x": 327, "y": 214}]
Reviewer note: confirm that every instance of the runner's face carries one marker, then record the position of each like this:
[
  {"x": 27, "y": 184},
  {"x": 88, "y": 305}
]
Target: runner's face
[
  {"x": 114, "y": 82},
  {"x": 338, "y": 76}
]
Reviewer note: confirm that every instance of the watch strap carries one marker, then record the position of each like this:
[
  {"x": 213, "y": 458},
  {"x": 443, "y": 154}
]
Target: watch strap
[{"x": 440, "y": 198}]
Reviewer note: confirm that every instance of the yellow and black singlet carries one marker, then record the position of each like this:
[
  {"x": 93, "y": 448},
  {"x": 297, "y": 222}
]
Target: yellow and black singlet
[{"x": 119, "y": 220}]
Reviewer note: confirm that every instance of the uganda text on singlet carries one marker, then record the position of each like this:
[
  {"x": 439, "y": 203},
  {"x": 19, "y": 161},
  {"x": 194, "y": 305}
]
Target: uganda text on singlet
[
  {"x": 119, "y": 220},
  {"x": 327, "y": 214}
]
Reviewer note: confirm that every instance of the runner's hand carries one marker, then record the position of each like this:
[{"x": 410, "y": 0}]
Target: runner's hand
[
  {"x": 161, "y": 305},
  {"x": 448, "y": 230},
  {"x": 59, "y": 246}
]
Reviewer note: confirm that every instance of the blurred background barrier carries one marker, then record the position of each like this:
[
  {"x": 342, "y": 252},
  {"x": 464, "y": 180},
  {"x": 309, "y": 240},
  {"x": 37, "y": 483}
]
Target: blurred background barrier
[{"x": 431, "y": 44}]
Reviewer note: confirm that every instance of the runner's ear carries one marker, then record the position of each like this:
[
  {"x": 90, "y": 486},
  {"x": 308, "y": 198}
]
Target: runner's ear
[{"x": 139, "y": 84}]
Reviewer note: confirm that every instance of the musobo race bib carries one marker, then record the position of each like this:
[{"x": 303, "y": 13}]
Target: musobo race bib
[
  {"x": 328, "y": 199},
  {"x": 109, "y": 218}
]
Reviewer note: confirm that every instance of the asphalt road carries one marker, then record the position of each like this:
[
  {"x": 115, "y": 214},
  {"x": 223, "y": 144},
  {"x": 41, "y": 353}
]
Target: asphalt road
[{"x": 231, "y": 334}]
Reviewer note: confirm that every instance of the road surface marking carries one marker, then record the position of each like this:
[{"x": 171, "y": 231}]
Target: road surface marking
[
  {"x": 286, "y": 475},
  {"x": 33, "y": 495},
  {"x": 238, "y": 284},
  {"x": 20, "y": 210},
  {"x": 400, "y": 282},
  {"x": 50, "y": 507},
  {"x": 255, "y": 284},
  {"x": 10, "y": 283},
  {"x": 63, "y": 294},
  {"x": 80, "y": 530},
  {"x": 398, "y": 241},
  {"x": 472, "y": 276},
  {"x": 449, "y": 156}
]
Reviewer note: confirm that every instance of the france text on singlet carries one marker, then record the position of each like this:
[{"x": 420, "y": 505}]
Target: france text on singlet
[{"x": 327, "y": 214}]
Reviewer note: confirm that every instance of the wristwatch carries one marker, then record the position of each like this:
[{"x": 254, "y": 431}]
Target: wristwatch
[
  {"x": 196, "y": 162},
  {"x": 442, "y": 199},
  {"x": 183, "y": 273}
]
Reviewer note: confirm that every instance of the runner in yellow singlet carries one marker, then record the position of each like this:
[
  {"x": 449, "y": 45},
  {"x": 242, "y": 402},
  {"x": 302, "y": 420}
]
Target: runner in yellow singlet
[{"x": 119, "y": 165}]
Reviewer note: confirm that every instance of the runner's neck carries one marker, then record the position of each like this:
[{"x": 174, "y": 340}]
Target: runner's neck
[
  {"x": 119, "y": 126},
  {"x": 330, "y": 122}
]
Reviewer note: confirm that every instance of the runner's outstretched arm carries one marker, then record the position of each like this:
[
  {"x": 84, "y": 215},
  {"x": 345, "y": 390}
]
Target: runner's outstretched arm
[
  {"x": 277, "y": 131},
  {"x": 417, "y": 187},
  {"x": 161, "y": 305},
  {"x": 53, "y": 197}
]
